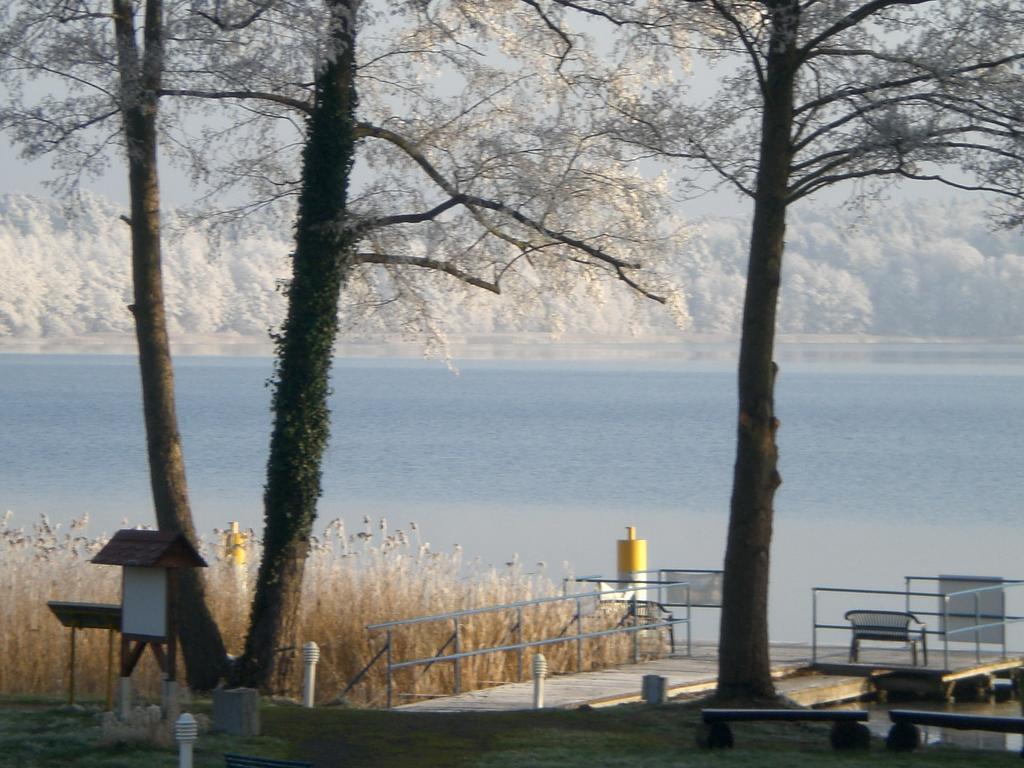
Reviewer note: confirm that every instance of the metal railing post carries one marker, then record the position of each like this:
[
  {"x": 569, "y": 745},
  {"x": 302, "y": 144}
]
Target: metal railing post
[
  {"x": 519, "y": 642},
  {"x": 814, "y": 626},
  {"x": 1005, "y": 624},
  {"x": 977, "y": 623},
  {"x": 945, "y": 632},
  {"x": 387, "y": 645},
  {"x": 458, "y": 659},
  {"x": 579, "y": 635},
  {"x": 636, "y": 632},
  {"x": 689, "y": 624}
]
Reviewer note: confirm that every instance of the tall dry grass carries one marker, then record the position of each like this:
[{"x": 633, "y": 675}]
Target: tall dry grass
[{"x": 353, "y": 578}]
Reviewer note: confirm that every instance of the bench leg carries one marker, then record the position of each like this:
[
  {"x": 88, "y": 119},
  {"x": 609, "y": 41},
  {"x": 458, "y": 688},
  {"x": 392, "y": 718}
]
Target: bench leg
[
  {"x": 717, "y": 735},
  {"x": 854, "y": 648},
  {"x": 850, "y": 735},
  {"x": 903, "y": 737}
]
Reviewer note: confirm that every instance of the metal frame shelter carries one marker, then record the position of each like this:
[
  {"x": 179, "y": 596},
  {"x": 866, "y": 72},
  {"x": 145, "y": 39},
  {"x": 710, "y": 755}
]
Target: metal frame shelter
[{"x": 78, "y": 616}]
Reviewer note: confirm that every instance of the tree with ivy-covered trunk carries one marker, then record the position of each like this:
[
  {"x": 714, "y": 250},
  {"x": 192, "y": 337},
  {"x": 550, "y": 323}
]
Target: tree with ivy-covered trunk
[
  {"x": 471, "y": 191},
  {"x": 324, "y": 245}
]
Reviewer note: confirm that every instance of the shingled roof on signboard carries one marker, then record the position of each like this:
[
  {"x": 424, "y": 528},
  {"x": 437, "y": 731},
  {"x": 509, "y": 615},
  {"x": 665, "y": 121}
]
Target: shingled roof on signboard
[{"x": 149, "y": 549}]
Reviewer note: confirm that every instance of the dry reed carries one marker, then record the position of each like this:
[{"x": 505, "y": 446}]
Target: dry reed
[{"x": 352, "y": 579}]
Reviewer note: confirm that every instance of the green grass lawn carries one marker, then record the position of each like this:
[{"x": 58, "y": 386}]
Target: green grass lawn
[{"x": 35, "y": 733}]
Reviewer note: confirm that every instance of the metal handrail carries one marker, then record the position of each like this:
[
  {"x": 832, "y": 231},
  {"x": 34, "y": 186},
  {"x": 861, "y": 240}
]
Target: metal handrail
[
  {"x": 489, "y": 609},
  {"x": 977, "y": 627},
  {"x": 455, "y": 658},
  {"x": 658, "y": 581},
  {"x": 945, "y": 632}
]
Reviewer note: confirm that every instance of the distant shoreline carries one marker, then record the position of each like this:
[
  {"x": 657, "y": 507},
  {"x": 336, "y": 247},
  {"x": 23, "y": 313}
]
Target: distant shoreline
[{"x": 542, "y": 346}]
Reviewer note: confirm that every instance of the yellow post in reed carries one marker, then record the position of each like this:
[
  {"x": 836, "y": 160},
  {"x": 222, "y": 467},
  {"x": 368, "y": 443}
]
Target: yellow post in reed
[
  {"x": 632, "y": 564},
  {"x": 632, "y": 555},
  {"x": 234, "y": 546}
]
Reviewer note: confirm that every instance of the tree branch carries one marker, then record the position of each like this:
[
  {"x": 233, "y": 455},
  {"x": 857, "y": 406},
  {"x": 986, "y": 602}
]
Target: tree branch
[
  {"x": 475, "y": 204},
  {"x": 418, "y": 261},
  {"x": 274, "y": 98},
  {"x": 618, "y": 21},
  {"x": 233, "y": 26},
  {"x": 408, "y": 218},
  {"x": 554, "y": 28},
  {"x": 852, "y": 19},
  {"x": 748, "y": 44},
  {"x": 803, "y": 190},
  {"x": 889, "y": 85}
]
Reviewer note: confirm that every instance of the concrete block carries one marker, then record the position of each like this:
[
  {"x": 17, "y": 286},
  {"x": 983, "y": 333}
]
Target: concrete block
[
  {"x": 655, "y": 689},
  {"x": 236, "y": 711}
]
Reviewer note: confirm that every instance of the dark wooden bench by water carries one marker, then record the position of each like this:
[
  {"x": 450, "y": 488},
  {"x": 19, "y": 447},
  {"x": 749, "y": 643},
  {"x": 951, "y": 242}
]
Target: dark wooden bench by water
[
  {"x": 848, "y": 731},
  {"x": 905, "y": 735},
  {"x": 249, "y": 761}
]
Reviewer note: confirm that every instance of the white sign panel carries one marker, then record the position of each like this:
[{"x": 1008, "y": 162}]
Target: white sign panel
[
  {"x": 703, "y": 590},
  {"x": 144, "y": 602},
  {"x": 974, "y": 609}
]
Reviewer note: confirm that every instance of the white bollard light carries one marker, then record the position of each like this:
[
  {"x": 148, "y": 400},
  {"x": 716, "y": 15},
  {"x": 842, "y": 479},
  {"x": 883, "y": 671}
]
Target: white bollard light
[
  {"x": 310, "y": 655},
  {"x": 186, "y": 731},
  {"x": 540, "y": 670}
]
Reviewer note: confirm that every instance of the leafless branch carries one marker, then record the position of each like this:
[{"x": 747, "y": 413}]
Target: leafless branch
[
  {"x": 852, "y": 19},
  {"x": 418, "y": 261},
  {"x": 748, "y": 45},
  {"x": 930, "y": 75},
  {"x": 241, "y": 23},
  {"x": 475, "y": 204},
  {"x": 566, "y": 40},
  {"x": 274, "y": 98},
  {"x": 409, "y": 218}
]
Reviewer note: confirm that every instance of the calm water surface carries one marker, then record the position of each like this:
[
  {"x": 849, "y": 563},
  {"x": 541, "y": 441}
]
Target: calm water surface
[{"x": 891, "y": 465}]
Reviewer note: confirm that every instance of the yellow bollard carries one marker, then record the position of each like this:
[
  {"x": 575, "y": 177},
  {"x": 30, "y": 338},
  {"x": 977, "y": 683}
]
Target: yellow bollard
[
  {"x": 632, "y": 574},
  {"x": 234, "y": 546},
  {"x": 632, "y": 555}
]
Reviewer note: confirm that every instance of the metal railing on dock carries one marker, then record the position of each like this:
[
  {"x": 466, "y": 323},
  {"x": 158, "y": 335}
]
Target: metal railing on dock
[
  {"x": 975, "y": 615},
  {"x": 675, "y": 587},
  {"x": 637, "y": 617}
]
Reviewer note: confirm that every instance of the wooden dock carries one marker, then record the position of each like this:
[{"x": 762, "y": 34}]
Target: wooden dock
[{"x": 830, "y": 681}]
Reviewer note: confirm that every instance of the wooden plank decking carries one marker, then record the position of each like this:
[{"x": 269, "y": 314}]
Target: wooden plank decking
[{"x": 697, "y": 673}]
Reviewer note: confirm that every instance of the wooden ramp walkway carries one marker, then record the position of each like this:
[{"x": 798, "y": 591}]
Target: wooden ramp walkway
[
  {"x": 616, "y": 685},
  {"x": 791, "y": 666}
]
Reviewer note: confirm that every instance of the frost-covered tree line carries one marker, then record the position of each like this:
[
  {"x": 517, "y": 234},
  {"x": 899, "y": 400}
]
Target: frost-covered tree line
[{"x": 923, "y": 268}]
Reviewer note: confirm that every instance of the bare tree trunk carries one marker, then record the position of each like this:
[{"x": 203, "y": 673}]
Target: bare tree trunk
[
  {"x": 744, "y": 666},
  {"x": 323, "y": 248},
  {"x": 205, "y": 655}
]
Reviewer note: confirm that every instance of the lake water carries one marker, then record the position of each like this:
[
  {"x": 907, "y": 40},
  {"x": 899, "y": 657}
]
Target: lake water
[{"x": 895, "y": 460}]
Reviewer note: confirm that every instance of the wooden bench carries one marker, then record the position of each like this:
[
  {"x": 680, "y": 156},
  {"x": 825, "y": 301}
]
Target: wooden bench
[
  {"x": 888, "y": 626},
  {"x": 905, "y": 736},
  {"x": 248, "y": 761},
  {"x": 848, "y": 730}
]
